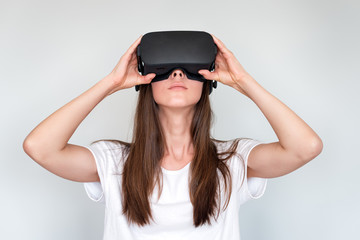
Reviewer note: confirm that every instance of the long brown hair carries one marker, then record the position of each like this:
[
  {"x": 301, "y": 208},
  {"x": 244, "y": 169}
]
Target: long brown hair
[{"x": 142, "y": 168}]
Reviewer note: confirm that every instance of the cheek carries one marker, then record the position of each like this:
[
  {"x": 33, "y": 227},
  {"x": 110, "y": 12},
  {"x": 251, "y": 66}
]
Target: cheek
[
  {"x": 157, "y": 88},
  {"x": 197, "y": 89}
]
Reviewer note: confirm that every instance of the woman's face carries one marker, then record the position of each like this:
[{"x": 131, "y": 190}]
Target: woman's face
[{"x": 177, "y": 91}]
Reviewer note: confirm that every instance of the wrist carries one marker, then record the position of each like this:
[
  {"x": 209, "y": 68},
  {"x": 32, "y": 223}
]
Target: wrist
[
  {"x": 108, "y": 83},
  {"x": 242, "y": 78},
  {"x": 241, "y": 82}
]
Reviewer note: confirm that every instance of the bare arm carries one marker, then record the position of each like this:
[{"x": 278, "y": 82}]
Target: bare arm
[
  {"x": 298, "y": 143},
  {"x": 48, "y": 143}
]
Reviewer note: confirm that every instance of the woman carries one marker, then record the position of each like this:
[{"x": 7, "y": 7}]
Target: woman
[{"x": 173, "y": 181}]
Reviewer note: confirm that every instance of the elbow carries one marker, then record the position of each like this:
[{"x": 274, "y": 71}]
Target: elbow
[
  {"x": 26, "y": 146},
  {"x": 29, "y": 147},
  {"x": 312, "y": 149}
]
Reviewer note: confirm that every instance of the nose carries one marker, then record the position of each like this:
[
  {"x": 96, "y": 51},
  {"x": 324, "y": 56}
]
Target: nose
[{"x": 177, "y": 73}]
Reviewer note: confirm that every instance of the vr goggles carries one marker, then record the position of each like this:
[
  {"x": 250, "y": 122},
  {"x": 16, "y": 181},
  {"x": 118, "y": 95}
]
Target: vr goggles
[{"x": 163, "y": 52}]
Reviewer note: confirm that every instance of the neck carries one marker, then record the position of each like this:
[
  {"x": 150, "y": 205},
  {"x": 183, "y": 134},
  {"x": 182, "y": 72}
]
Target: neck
[{"x": 176, "y": 125}]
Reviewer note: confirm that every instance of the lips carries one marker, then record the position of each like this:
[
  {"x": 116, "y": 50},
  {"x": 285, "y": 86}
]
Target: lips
[{"x": 177, "y": 86}]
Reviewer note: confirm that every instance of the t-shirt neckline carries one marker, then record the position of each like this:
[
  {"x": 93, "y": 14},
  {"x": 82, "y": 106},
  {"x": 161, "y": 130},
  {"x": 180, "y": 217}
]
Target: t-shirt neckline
[{"x": 176, "y": 171}]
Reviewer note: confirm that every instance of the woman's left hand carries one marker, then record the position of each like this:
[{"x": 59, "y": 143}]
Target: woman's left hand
[{"x": 228, "y": 70}]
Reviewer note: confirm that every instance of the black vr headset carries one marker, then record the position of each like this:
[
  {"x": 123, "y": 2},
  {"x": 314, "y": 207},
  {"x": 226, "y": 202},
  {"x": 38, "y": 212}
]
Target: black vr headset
[{"x": 163, "y": 52}]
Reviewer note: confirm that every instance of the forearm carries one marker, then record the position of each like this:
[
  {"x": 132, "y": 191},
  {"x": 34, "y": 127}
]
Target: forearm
[
  {"x": 293, "y": 133},
  {"x": 52, "y": 134}
]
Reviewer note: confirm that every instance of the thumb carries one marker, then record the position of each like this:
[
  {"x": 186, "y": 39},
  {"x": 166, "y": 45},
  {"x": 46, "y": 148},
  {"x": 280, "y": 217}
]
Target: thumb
[
  {"x": 207, "y": 74},
  {"x": 148, "y": 78}
]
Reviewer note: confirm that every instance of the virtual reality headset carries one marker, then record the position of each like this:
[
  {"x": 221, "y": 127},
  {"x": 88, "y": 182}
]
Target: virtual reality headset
[{"x": 163, "y": 52}]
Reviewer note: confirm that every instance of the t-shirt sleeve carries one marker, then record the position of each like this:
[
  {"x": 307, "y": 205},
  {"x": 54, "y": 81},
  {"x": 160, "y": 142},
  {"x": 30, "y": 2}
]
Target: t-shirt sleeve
[
  {"x": 95, "y": 190},
  {"x": 253, "y": 187}
]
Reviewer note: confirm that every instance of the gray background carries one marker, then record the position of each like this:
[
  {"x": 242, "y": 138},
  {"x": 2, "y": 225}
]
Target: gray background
[{"x": 306, "y": 53}]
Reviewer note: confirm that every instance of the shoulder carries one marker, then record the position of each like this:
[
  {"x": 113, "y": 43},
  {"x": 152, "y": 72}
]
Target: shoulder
[
  {"x": 235, "y": 152},
  {"x": 109, "y": 145},
  {"x": 238, "y": 145},
  {"x": 224, "y": 145},
  {"x": 105, "y": 149}
]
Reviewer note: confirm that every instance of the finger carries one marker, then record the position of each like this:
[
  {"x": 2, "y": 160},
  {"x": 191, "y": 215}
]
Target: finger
[
  {"x": 133, "y": 47},
  {"x": 221, "y": 46},
  {"x": 220, "y": 58},
  {"x": 147, "y": 78},
  {"x": 133, "y": 58},
  {"x": 129, "y": 61},
  {"x": 218, "y": 42},
  {"x": 208, "y": 75}
]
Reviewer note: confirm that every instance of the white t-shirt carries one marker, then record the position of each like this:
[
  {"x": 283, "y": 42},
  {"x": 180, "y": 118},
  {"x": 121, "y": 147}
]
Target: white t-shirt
[{"x": 173, "y": 212}]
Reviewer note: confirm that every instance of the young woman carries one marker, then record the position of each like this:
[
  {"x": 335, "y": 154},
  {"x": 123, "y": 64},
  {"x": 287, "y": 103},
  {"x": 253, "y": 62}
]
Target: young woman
[{"x": 173, "y": 181}]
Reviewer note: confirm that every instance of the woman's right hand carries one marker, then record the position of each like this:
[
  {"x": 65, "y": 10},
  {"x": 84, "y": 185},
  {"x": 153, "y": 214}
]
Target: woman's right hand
[{"x": 125, "y": 74}]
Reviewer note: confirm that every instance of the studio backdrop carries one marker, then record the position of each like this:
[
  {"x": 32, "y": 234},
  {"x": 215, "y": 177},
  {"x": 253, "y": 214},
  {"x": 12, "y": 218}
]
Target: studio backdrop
[{"x": 306, "y": 53}]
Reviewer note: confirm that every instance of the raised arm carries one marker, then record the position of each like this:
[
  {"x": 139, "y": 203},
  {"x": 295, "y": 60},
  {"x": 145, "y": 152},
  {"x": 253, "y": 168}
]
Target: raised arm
[
  {"x": 48, "y": 145},
  {"x": 298, "y": 143}
]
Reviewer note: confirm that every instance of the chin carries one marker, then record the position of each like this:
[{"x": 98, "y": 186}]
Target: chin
[{"x": 178, "y": 105}]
